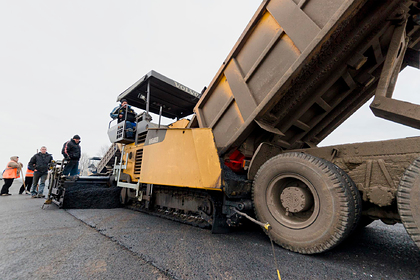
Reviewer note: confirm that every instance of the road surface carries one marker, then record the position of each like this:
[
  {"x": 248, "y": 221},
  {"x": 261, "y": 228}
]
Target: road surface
[{"x": 124, "y": 244}]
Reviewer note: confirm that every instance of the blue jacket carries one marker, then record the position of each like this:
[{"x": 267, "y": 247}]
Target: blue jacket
[
  {"x": 131, "y": 115},
  {"x": 114, "y": 113}
]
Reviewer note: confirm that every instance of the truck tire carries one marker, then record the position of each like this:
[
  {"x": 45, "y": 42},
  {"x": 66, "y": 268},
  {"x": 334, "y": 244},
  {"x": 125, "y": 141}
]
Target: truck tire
[
  {"x": 357, "y": 199},
  {"x": 306, "y": 202},
  {"x": 408, "y": 201}
]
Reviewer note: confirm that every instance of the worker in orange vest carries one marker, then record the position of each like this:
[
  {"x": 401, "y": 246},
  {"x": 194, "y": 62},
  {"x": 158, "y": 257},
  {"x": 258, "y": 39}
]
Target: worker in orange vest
[
  {"x": 29, "y": 176},
  {"x": 11, "y": 172}
]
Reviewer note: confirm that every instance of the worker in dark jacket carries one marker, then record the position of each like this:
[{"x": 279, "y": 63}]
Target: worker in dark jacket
[
  {"x": 72, "y": 152},
  {"x": 40, "y": 163},
  {"x": 124, "y": 112},
  {"x": 119, "y": 112}
]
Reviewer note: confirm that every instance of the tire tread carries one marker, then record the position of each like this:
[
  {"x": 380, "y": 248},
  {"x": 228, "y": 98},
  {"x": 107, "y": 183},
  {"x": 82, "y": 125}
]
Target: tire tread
[{"x": 404, "y": 199}]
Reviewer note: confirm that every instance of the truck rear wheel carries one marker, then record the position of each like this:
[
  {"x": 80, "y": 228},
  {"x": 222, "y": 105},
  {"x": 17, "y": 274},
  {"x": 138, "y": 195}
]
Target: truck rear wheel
[
  {"x": 305, "y": 200},
  {"x": 357, "y": 199},
  {"x": 408, "y": 201}
]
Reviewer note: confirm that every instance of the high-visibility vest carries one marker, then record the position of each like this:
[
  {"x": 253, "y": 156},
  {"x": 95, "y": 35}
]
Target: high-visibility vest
[
  {"x": 10, "y": 172},
  {"x": 29, "y": 173}
]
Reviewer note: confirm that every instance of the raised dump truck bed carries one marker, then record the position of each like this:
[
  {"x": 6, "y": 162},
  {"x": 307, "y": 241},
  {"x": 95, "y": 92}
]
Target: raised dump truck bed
[{"x": 302, "y": 67}]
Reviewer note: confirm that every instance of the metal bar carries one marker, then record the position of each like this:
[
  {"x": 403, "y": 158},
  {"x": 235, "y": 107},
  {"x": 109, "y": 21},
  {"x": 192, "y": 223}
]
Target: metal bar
[
  {"x": 264, "y": 225},
  {"x": 240, "y": 90},
  {"x": 127, "y": 185},
  {"x": 160, "y": 115},
  {"x": 393, "y": 59},
  {"x": 147, "y": 98},
  {"x": 388, "y": 178},
  {"x": 368, "y": 174},
  {"x": 397, "y": 111},
  {"x": 120, "y": 165},
  {"x": 291, "y": 18},
  {"x": 301, "y": 3}
]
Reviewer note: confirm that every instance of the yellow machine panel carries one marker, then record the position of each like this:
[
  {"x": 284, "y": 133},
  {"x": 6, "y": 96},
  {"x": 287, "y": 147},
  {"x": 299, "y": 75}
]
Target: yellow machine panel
[
  {"x": 132, "y": 158},
  {"x": 183, "y": 123},
  {"x": 181, "y": 157}
]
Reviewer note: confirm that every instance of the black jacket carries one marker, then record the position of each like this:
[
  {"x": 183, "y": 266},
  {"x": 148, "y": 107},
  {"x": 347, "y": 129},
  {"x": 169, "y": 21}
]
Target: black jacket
[
  {"x": 40, "y": 162},
  {"x": 71, "y": 150}
]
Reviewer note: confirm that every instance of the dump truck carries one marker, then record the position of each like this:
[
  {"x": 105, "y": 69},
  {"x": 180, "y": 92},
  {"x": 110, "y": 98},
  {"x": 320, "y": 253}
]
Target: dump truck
[{"x": 246, "y": 146}]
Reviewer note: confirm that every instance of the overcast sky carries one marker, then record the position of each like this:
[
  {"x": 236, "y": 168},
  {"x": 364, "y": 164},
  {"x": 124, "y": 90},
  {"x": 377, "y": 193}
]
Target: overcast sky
[{"x": 63, "y": 64}]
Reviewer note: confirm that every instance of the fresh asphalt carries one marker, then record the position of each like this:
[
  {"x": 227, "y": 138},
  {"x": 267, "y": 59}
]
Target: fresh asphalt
[
  {"x": 124, "y": 244},
  {"x": 51, "y": 244}
]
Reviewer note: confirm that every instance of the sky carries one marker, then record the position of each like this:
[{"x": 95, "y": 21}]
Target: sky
[{"x": 63, "y": 64}]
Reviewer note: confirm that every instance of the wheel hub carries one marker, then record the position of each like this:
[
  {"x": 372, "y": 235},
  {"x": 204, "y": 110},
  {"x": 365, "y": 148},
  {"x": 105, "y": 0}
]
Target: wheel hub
[{"x": 295, "y": 199}]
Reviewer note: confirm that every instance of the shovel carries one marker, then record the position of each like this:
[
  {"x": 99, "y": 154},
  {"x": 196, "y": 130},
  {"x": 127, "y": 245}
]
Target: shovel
[
  {"x": 23, "y": 180},
  {"x": 49, "y": 199}
]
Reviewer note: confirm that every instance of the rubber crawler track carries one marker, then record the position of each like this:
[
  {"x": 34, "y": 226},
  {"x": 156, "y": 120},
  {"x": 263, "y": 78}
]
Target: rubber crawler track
[{"x": 175, "y": 214}]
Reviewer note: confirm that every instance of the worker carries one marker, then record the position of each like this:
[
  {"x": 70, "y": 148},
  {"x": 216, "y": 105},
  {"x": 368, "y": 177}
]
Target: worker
[
  {"x": 40, "y": 163},
  {"x": 120, "y": 113},
  {"x": 11, "y": 172},
  {"x": 29, "y": 175},
  {"x": 72, "y": 152}
]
